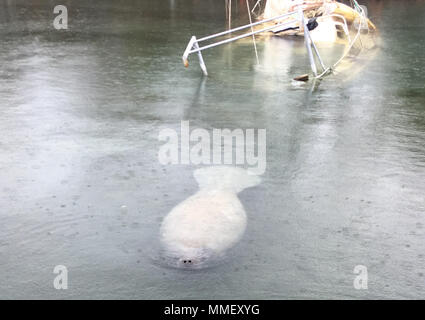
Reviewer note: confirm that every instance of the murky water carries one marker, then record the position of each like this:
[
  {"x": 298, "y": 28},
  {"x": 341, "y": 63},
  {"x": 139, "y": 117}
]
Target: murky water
[{"x": 81, "y": 184}]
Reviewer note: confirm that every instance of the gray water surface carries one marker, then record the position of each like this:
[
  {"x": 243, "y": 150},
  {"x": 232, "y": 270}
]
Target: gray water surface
[{"x": 80, "y": 113}]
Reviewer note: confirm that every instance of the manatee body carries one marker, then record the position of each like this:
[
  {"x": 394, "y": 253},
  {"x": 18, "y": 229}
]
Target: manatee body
[{"x": 204, "y": 226}]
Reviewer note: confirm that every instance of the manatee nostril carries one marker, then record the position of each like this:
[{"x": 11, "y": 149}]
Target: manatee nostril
[{"x": 190, "y": 261}]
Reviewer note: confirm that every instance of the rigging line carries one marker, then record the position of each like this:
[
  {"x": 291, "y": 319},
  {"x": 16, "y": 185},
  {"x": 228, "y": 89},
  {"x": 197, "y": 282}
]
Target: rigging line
[
  {"x": 255, "y": 6},
  {"x": 253, "y": 36},
  {"x": 230, "y": 14}
]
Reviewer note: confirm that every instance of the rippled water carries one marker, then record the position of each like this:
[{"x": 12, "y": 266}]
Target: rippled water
[{"x": 81, "y": 184}]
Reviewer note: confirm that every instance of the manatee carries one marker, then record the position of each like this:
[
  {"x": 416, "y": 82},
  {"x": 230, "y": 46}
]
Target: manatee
[{"x": 205, "y": 225}]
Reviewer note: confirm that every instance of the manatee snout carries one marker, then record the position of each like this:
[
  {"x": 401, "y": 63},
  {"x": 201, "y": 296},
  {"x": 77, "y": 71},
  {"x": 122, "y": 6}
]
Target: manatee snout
[
  {"x": 199, "y": 259},
  {"x": 194, "y": 261},
  {"x": 188, "y": 263}
]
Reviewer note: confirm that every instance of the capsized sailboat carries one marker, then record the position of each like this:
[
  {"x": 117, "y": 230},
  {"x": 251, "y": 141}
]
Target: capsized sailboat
[
  {"x": 316, "y": 20},
  {"x": 328, "y": 20}
]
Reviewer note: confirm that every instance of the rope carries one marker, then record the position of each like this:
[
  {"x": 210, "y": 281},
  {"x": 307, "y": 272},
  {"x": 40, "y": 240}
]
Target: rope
[
  {"x": 230, "y": 14},
  {"x": 252, "y": 30},
  {"x": 255, "y": 6}
]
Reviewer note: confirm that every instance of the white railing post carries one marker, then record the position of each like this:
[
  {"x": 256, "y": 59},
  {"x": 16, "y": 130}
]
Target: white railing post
[
  {"x": 307, "y": 41},
  {"x": 316, "y": 51},
  {"x": 193, "y": 45},
  {"x": 201, "y": 59},
  {"x": 186, "y": 53}
]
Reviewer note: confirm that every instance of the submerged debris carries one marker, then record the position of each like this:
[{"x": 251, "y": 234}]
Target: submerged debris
[{"x": 303, "y": 77}]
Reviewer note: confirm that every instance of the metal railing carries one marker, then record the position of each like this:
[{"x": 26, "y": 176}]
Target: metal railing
[{"x": 298, "y": 16}]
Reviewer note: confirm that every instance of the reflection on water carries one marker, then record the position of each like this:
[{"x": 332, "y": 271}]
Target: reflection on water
[{"x": 80, "y": 115}]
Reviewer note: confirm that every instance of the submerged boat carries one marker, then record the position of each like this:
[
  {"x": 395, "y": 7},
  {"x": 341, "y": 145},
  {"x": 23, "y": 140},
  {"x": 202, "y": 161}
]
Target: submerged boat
[
  {"x": 328, "y": 20},
  {"x": 318, "y": 21}
]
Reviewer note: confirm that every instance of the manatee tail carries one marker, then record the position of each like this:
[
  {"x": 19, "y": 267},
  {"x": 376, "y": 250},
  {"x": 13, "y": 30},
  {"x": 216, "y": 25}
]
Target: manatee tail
[{"x": 226, "y": 178}]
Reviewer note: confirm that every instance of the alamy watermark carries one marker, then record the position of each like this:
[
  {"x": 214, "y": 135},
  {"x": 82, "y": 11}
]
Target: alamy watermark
[
  {"x": 60, "y": 282},
  {"x": 220, "y": 146},
  {"x": 61, "y": 20},
  {"x": 361, "y": 280}
]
